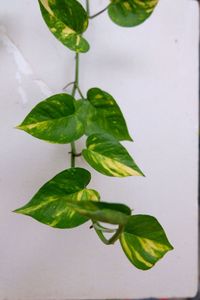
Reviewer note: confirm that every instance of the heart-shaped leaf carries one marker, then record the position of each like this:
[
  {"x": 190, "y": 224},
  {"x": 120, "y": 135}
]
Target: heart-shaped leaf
[
  {"x": 144, "y": 241},
  {"x": 113, "y": 213},
  {"x": 49, "y": 205},
  {"x": 129, "y": 13},
  {"x": 67, "y": 20},
  {"x": 106, "y": 116},
  {"x": 106, "y": 155},
  {"x": 54, "y": 120}
]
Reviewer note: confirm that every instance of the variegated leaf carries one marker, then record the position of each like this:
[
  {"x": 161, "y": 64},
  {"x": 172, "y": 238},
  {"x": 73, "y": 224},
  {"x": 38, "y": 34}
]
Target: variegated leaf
[
  {"x": 106, "y": 116},
  {"x": 106, "y": 155},
  {"x": 144, "y": 241},
  {"x": 54, "y": 120},
  {"x": 49, "y": 205},
  {"x": 129, "y": 13},
  {"x": 112, "y": 213},
  {"x": 67, "y": 20}
]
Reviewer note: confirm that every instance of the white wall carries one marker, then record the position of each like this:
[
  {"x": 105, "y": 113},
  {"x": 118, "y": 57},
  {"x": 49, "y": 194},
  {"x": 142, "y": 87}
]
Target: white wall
[{"x": 152, "y": 71}]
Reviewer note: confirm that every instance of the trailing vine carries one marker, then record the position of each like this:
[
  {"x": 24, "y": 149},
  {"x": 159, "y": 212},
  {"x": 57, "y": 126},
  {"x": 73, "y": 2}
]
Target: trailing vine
[{"x": 64, "y": 201}]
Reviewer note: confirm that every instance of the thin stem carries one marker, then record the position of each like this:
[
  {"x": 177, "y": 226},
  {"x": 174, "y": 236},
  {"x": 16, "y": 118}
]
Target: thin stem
[
  {"x": 98, "y": 226},
  {"x": 88, "y": 7},
  {"x": 99, "y": 13},
  {"x": 80, "y": 93},
  {"x": 101, "y": 236},
  {"x": 76, "y": 81},
  {"x": 67, "y": 85},
  {"x": 113, "y": 239},
  {"x": 117, "y": 234},
  {"x": 73, "y": 154}
]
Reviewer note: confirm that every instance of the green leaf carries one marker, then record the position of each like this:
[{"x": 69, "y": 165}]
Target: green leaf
[
  {"x": 106, "y": 155},
  {"x": 84, "y": 110},
  {"x": 144, "y": 241},
  {"x": 54, "y": 120},
  {"x": 106, "y": 116},
  {"x": 50, "y": 203},
  {"x": 67, "y": 20},
  {"x": 113, "y": 213},
  {"x": 129, "y": 13}
]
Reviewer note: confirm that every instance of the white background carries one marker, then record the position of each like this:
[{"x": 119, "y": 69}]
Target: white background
[{"x": 152, "y": 71}]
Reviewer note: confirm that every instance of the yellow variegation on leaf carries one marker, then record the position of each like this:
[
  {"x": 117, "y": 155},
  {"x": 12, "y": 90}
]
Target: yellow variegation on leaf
[
  {"x": 106, "y": 155},
  {"x": 49, "y": 205},
  {"x": 67, "y": 20},
  {"x": 144, "y": 241},
  {"x": 105, "y": 116},
  {"x": 55, "y": 120}
]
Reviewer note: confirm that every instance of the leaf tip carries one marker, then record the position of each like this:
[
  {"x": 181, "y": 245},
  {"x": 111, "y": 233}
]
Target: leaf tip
[
  {"x": 129, "y": 138},
  {"x": 17, "y": 211},
  {"x": 171, "y": 247},
  {"x": 140, "y": 173},
  {"x": 19, "y": 127}
]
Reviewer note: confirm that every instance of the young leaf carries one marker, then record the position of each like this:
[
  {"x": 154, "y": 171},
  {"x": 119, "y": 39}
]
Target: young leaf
[
  {"x": 106, "y": 155},
  {"x": 112, "y": 213},
  {"x": 54, "y": 120},
  {"x": 129, "y": 13},
  {"x": 106, "y": 116},
  {"x": 67, "y": 20},
  {"x": 49, "y": 205},
  {"x": 144, "y": 241}
]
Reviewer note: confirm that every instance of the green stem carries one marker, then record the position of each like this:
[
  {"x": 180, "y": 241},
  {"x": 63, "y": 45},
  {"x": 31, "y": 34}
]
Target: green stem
[
  {"x": 73, "y": 154},
  {"x": 80, "y": 93},
  {"x": 117, "y": 234},
  {"x": 113, "y": 239},
  {"x": 101, "y": 236},
  {"x": 98, "y": 226},
  {"x": 67, "y": 85},
  {"x": 76, "y": 82},
  {"x": 99, "y": 13},
  {"x": 88, "y": 7}
]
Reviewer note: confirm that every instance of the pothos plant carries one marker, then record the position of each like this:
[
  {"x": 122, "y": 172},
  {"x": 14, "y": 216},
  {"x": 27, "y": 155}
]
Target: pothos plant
[{"x": 65, "y": 201}]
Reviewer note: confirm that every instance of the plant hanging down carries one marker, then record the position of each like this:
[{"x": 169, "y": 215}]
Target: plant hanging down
[{"x": 65, "y": 201}]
